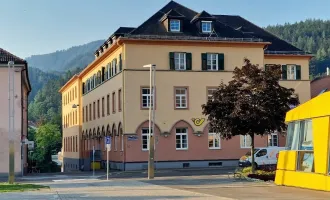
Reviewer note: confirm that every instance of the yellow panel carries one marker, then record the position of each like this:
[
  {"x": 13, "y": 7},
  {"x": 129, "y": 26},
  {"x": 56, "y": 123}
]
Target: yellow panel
[
  {"x": 302, "y": 179},
  {"x": 320, "y": 127},
  {"x": 96, "y": 165},
  {"x": 328, "y": 183},
  {"x": 310, "y": 109},
  {"x": 287, "y": 160}
]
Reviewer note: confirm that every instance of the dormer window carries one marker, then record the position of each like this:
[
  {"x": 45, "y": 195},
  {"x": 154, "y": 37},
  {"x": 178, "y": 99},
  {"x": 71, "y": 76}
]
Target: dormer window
[
  {"x": 175, "y": 25},
  {"x": 206, "y": 26}
]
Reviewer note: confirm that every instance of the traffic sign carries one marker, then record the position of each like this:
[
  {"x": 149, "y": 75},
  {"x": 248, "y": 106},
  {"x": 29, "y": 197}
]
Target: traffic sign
[{"x": 108, "y": 140}]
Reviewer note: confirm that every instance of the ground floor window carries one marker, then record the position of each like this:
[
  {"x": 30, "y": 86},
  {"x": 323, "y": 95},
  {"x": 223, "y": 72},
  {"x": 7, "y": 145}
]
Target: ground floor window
[
  {"x": 273, "y": 140},
  {"x": 145, "y": 138},
  {"x": 213, "y": 140},
  {"x": 181, "y": 135},
  {"x": 245, "y": 141}
]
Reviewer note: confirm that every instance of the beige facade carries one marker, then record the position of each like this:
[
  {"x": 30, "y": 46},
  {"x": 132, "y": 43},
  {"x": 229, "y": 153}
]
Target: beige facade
[
  {"x": 114, "y": 97},
  {"x": 22, "y": 89},
  {"x": 108, "y": 119}
]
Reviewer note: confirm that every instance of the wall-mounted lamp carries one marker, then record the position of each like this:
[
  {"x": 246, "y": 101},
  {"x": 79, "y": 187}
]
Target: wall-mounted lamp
[{"x": 75, "y": 106}]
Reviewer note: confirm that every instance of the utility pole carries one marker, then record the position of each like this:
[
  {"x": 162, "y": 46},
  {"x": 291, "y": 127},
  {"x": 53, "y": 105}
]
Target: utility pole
[
  {"x": 151, "y": 164},
  {"x": 11, "y": 112}
]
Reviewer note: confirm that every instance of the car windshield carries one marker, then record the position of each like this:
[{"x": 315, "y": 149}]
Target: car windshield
[{"x": 249, "y": 152}]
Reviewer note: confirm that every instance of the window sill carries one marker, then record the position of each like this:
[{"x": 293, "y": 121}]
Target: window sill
[
  {"x": 245, "y": 147},
  {"x": 181, "y": 149},
  {"x": 181, "y": 108},
  {"x": 215, "y": 148}
]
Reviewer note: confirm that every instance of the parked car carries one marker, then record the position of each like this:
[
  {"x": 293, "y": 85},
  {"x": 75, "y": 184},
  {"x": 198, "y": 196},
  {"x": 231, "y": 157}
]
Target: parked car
[{"x": 263, "y": 156}]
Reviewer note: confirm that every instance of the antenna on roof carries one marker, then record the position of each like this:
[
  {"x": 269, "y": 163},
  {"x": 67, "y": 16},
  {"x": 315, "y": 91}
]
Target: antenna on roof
[{"x": 213, "y": 32}]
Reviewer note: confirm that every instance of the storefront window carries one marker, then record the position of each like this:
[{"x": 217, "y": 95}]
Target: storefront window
[{"x": 304, "y": 145}]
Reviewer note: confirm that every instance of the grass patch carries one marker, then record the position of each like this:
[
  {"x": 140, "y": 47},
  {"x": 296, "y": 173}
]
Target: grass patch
[{"x": 18, "y": 187}]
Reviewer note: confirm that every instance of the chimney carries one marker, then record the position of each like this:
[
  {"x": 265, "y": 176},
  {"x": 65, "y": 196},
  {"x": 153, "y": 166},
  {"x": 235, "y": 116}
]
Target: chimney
[{"x": 327, "y": 71}]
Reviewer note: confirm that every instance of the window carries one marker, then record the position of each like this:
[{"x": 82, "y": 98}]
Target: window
[
  {"x": 94, "y": 81},
  {"x": 145, "y": 138},
  {"x": 113, "y": 102},
  {"x": 300, "y": 137},
  {"x": 94, "y": 110},
  {"x": 210, "y": 92},
  {"x": 214, "y": 140},
  {"x": 75, "y": 91},
  {"x": 146, "y": 97},
  {"x": 273, "y": 140},
  {"x": 108, "y": 71},
  {"x": 206, "y": 26},
  {"x": 119, "y": 100},
  {"x": 291, "y": 72},
  {"x": 76, "y": 117},
  {"x": 175, "y": 25},
  {"x": 261, "y": 153},
  {"x": 212, "y": 61},
  {"x": 86, "y": 113},
  {"x": 102, "y": 106},
  {"x": 114, "y": 67},
  {"x": 181, "y": 98},
  {"x": 116, "y": 137},
  {"x": 108, "y": 104},
  {"x": 98, "y": 108},
  {"x": 245, "y": 141},
  {"x": 83, "y": 115},
  {"x": 90, "y": 112},
  {"x": 180, "y": 61},
  {"x": 181, "y": 136}
]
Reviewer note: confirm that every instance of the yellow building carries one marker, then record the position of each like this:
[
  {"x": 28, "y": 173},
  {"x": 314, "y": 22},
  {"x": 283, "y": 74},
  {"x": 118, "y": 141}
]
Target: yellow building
[
  {"x": 193, "y": 52},
  {"x": 306, "y": 162}
]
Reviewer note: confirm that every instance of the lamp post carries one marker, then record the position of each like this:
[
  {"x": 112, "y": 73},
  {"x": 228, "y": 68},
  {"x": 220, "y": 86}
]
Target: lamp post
[
  {"x": 11, "y": 114},
  {"x": 151, "y": 162}
]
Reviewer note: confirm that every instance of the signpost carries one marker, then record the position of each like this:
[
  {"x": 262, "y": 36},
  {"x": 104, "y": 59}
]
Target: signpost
[
  {"x": 93, "y": 161},
  {"x": 108, "y": 142}
]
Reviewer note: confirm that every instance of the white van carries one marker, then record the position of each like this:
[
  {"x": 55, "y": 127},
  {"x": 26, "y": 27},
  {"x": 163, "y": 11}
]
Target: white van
[{"x": 262, "y": 156}]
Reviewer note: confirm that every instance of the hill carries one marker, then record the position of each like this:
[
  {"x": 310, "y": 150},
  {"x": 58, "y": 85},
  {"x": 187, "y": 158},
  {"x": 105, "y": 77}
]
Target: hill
[
  {"x": 77, "y": 56},
  {"x": 310, "y": 35}
]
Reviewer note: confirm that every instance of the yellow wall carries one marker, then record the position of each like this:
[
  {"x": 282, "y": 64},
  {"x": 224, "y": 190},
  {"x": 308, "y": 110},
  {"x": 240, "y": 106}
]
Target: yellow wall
[{"x": 314, "y": 109}]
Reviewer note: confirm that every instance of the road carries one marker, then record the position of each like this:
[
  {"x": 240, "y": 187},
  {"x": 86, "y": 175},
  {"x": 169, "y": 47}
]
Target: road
[{"x": 201, "y": 186}]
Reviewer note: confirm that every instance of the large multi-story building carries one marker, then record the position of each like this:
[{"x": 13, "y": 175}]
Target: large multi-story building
[
  {"x": 193, "y": 52},
  {"x": 21, "y": 90}
]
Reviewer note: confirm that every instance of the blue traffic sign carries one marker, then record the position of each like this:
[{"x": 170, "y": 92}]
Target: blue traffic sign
[{"x": 108, "y": 140}]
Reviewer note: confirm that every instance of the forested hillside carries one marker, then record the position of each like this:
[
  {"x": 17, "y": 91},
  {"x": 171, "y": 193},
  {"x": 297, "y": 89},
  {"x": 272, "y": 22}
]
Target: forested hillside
[
  {"x": 45, "y": 107},
  {"x": 63, "y": 60},
  {"x": 310, "y": 35}
]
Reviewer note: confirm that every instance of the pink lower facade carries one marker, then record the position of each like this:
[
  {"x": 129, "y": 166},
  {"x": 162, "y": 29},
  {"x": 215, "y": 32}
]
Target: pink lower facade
[{"x": 127, "y": 151}]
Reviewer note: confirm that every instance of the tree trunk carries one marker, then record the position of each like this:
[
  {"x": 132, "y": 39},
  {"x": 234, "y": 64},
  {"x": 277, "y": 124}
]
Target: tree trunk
[{"x": 252, "y": 154}]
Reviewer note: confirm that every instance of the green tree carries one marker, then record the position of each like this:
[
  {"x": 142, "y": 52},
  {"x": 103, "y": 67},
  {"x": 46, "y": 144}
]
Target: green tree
[
  {"x": 47, "y": 142},
  {"x": 253, "y": 103}
]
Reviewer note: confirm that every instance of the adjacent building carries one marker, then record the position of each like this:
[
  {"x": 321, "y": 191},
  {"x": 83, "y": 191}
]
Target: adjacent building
[
  {"x": 21, "y": 91},
  {"x": 193, "y": 52}
]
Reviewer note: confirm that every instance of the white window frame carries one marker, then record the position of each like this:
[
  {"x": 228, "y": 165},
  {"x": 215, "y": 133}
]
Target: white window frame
[
  {"x": 291, "y": 72},
  {"x": 147, "y": 96},
  {"x": 244, "y": 145},
  {"x": 181, "y": 140},
  {"x": 108, "y": 72},
  {"x": 181, "y": 97},
  {"x": 145, "y": 136},
  {"x": 94, "y": 81},
  {"x": 178, "y": 56},
  {"x": 210, "y": 24},
  {"x": 209, "y": 58},
  {"x": 114, "y": 65},
  {"x": 271, "y": 140},
  {"x": 215, "y": 137},
  {"x": 210, "y": 96},
  {"x": 176, "y": 29}
]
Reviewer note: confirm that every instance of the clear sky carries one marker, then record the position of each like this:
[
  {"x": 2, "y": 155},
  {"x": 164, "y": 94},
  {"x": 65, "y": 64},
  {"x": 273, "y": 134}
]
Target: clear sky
[{"x": 30, "y": 27}]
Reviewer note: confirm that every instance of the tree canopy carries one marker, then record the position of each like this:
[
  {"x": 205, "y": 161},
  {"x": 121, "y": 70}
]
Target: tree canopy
[{"x": 253, "y": 103}]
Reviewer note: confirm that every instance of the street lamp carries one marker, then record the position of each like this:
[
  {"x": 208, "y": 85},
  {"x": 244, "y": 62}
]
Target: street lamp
[
  {"x": 151, "y": 165},
  {"x": 11, "y": 114}
]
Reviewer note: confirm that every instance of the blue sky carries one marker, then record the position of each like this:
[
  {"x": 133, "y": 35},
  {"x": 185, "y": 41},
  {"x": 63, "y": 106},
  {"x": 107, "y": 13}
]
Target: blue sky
[{"x": 30, "y": 27}]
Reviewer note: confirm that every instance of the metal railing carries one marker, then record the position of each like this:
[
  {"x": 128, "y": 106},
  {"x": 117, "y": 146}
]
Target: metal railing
[
  {"x": 288, "y": 52},
  {"x": 166, "y": 37}
]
